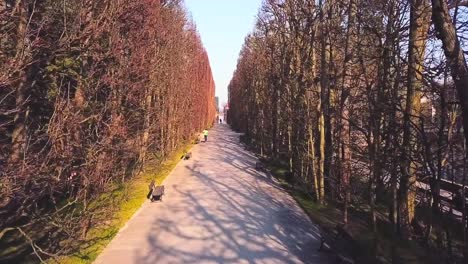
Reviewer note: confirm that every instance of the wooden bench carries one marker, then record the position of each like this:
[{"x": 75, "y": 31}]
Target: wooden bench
[
  {"x": 155, "y": 192},
  {"x": 187, "y": 156},
  {"x": 340, "y": 244},
  {"x": 259, "y": 166}
]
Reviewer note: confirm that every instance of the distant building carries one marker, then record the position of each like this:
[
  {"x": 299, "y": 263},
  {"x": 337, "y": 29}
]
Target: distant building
[{"x": 217, "y": 104}]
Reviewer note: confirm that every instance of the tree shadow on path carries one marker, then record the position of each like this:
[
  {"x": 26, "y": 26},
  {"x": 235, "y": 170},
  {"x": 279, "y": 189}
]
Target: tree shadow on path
[{"x": 229, "y": 213}]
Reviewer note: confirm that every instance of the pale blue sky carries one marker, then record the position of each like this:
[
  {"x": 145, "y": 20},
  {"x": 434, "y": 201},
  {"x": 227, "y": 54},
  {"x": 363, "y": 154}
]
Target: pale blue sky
[{"x": 223, "y": 26}]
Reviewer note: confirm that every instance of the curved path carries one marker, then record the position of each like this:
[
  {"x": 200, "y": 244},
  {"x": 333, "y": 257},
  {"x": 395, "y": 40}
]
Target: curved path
[{"x": 218, "y": 209}]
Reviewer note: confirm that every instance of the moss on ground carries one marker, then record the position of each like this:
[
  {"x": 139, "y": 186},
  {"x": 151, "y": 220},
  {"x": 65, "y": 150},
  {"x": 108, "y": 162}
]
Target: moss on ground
[
  {"x": 328, "y": 216},
  {"x": 126, "y": 198}
]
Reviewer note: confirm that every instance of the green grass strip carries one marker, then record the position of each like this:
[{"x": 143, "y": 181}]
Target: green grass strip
[{"x": 127, "y": 199}]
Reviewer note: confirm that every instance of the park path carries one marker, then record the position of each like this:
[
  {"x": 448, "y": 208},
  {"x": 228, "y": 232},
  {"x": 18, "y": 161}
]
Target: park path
[{"x": 218, "y": 209}]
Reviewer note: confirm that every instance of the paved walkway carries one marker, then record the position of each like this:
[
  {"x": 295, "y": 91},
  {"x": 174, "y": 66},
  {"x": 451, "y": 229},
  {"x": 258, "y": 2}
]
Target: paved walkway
[{"x": 218, "y": 209}]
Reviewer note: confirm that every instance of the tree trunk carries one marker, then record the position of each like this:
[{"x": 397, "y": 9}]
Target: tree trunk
[
  {"x": 321, "y": 106},
  {"x": 345, "y": 105},
  {"x": 419, "y": 26},
  {"x": 146, "y": 126},
  {"x": 446, "y": 32},
  {"x": 22, "y": 87}
]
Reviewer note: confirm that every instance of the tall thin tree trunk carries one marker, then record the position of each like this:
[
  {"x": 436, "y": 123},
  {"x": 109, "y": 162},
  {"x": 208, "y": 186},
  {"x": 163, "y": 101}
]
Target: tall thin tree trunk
[
  {"x": 312, "y": 140},
  {"x": 322, "y": 105},
  {"x": 146, "y": 125},
  {"x": 20, "y": 129},
  {"x": 345, "y": 105},
  {"x": 419, "y": 26}
]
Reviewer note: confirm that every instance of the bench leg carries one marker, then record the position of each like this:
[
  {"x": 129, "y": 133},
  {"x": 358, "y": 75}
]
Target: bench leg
[
  {"x": 338, "y": 260},
  {"x": 322, "y": 241}
]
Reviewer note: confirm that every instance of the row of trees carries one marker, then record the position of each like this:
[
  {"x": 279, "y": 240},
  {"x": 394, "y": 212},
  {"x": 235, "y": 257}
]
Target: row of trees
[
  {"x": 89, "y": 90},
  {"x": 359, "y": 100}
]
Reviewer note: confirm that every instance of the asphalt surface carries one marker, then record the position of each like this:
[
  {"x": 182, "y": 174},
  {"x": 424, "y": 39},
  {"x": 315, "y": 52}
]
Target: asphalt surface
[{"x": 218, "y": 209}]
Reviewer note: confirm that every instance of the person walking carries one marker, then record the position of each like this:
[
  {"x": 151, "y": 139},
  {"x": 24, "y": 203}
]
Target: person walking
[{"x": 205, "y": 134}]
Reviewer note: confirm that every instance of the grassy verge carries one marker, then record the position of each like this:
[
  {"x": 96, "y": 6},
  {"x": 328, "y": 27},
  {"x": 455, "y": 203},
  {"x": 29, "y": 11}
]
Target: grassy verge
[
  {"x": 330, "y": 215},
  {"x": 126, "y": 199}
]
